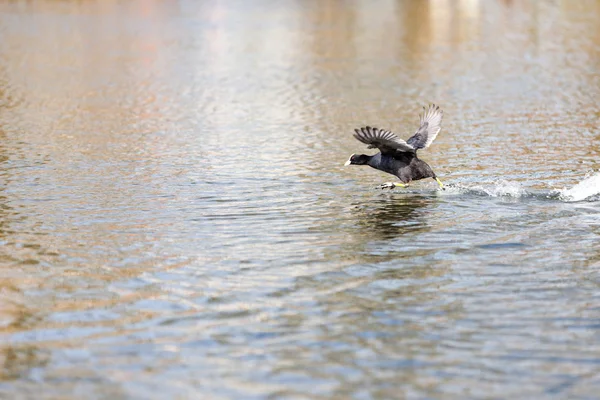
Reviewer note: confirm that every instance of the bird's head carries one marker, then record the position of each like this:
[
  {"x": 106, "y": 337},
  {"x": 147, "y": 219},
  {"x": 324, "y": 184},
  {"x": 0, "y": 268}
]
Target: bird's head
[{"x": 358, "y": 159}]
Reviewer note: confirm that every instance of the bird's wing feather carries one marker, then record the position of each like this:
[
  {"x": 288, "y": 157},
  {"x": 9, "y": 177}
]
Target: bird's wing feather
[
  {"x": 431, "y": 123},
  {"x": 386, "y": 141}
]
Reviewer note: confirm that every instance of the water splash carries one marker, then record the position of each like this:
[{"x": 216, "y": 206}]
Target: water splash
[
  {"x": 588, "y": 188},
  {"x": 501, "y": 188}
]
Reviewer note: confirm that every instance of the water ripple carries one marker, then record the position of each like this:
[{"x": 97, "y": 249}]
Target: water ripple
[{"x": 175, "y": 218}]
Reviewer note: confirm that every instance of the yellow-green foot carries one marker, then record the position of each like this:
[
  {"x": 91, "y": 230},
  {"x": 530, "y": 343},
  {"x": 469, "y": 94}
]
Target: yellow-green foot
[{"x": 391, "y": 185}]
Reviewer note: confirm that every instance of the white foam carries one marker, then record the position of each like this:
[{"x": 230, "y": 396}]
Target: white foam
[
  {"x": 504, "y": 188},
  {"x": 500, "y": 188},
  {"x": 587, "y": 188}
]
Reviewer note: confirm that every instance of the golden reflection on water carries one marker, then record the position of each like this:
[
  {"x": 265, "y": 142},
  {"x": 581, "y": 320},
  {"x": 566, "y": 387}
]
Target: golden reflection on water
[{"x": 141, "y": 139}]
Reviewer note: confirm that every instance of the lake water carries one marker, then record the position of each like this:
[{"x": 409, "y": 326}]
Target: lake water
[{"x": 175, "y": 220}]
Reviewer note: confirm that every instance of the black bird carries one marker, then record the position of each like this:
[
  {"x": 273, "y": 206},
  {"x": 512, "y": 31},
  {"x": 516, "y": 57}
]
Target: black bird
[{"x": 398, "y": 157}]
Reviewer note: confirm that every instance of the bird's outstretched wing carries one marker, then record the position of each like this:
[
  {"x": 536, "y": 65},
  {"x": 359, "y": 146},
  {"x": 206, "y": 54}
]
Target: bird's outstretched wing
[
  {"x": 431, "y": 123},
  {"x": 386, "y": 141}
]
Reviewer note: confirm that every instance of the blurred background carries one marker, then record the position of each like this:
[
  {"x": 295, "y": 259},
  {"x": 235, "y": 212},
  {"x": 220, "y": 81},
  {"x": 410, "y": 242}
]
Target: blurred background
[{"x": 175, "y": 221}]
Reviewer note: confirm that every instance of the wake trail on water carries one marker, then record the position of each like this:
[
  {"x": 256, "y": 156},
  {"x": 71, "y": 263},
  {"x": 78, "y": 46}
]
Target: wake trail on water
[{"x": 586, "y": 190}]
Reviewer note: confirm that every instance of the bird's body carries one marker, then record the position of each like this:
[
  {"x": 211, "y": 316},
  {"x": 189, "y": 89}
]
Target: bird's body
[
  {"x": 396, "y": 156},
  {"x": 406, "y": 166}
]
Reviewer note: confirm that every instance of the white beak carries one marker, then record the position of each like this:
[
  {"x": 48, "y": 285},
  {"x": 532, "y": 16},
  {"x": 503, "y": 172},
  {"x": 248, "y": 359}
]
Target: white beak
[{"x": 347, "y": 163}]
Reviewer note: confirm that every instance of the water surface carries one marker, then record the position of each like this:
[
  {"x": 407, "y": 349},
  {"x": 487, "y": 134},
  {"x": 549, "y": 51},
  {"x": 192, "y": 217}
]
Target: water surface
[{"x": 175, "y": 220}]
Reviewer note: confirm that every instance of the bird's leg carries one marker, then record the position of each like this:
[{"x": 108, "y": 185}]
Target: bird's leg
[
  {"x": 439, "y": 183},
  {"x": 391, "y": 185}
]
